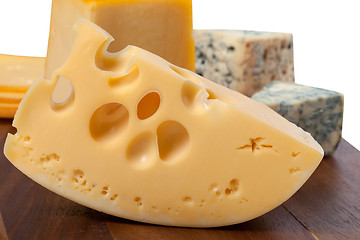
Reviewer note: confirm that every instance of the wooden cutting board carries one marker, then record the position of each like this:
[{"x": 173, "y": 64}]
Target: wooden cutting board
[
  {"x": 326, "y": 207},
  {"x": 3, "y": 234}
]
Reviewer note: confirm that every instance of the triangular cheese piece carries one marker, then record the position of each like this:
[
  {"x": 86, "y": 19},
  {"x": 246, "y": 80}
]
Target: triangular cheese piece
[{"x": 134, "y": 136}]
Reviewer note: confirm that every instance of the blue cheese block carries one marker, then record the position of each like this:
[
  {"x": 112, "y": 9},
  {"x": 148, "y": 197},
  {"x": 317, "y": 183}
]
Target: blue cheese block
[
  {"x": 244, "y": 61},
  {"x": 317, "y": 111}
]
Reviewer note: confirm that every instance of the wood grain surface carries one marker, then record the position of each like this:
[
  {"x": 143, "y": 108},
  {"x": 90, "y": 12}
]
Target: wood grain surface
[
  {"x": 3, "y": 234},
  {"x": 326, "y": 207}
]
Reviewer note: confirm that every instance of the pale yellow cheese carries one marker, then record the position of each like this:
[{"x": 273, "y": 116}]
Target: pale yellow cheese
[
  {"x": 137, "y": 137},
  {"x": 159, "y": 26},
  {"x": 17, "y": 73}
]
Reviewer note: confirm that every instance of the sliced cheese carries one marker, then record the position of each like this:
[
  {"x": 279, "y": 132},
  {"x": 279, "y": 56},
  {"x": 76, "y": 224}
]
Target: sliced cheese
[
  {"x": 137, "y": 137},
  {"x": 17, "y": 73},
  {"x": 8, "y": 110},
  {"x": 159, "y": 26},
  {"x": 11, "y": 97}
]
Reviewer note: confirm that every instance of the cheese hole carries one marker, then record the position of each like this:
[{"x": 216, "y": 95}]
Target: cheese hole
[
  {"x": 211, "y": 94},
  {"x": 187, "y": 200},
  {"x": 189, "y": 92},
  {"x": 294, "y": 170},
  {"x": 141, "y": 151},
  {"x": 233, "y": 188},
  {"x": 228, "y": 191},
  {"x": 234, "y": 183},
  {"x": 186, "y": 74},
  {"x": 173, "y": 140},
  {"x": 125, "y": 79},
  {"x": 103, "y": 60},
  {"x": 114, "y": 62},
  {"x": 138, "y": 201},
  {"x": 108, "y": 122},
  {"x": 63, "y": 93},
  {"x": 114, "y": 197},
  {"x": 295, "y": 154},
  {"x": 78, "y": 176},
  {"x": 148, "y": 105},
  {"x": 105, "y": 190}
]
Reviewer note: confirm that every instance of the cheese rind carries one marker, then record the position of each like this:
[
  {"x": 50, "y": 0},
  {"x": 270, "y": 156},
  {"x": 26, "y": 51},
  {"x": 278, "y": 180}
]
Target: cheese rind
[
  {"x": 143, "y": 139},
  {"x": 244, "y": 61},
  {"x": 146, "y": 24},
  {"x": 317, "y": 111}
]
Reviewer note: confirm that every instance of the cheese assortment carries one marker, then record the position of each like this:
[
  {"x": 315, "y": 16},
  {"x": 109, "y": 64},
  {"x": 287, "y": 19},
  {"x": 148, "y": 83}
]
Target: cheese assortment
[
  {"x": 244, "y": 61},
  {"x": 135, "y": 136},
  {"x": 159, "y": 26},
  {"x": 317, "y": 111},
  {"x": 17, "y": 73}
]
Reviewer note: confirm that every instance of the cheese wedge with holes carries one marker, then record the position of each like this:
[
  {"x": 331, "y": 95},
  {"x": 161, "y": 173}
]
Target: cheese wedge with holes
[
  {"x": 137, "y": 137},
  {"x": 159, "y": 26}
]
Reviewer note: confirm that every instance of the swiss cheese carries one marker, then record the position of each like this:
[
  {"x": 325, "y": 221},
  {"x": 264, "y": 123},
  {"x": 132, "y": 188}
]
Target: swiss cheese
[
  {"x": 159, "y": 26},
  {"x": 137, "y": 137}
]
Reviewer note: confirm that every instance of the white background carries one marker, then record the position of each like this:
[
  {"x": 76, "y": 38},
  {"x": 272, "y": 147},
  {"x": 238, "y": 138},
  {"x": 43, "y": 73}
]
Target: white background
[{"x": 326, "y": 38}]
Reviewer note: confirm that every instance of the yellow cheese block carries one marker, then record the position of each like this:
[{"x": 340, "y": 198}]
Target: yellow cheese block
[
  {"x": 17, "y": 73},
  {"x": 8, "y": 110},
  {"x": 134, "y": 136},
  {"x": 160, "y": 26},
  {"x": 11, "y": 97}
]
